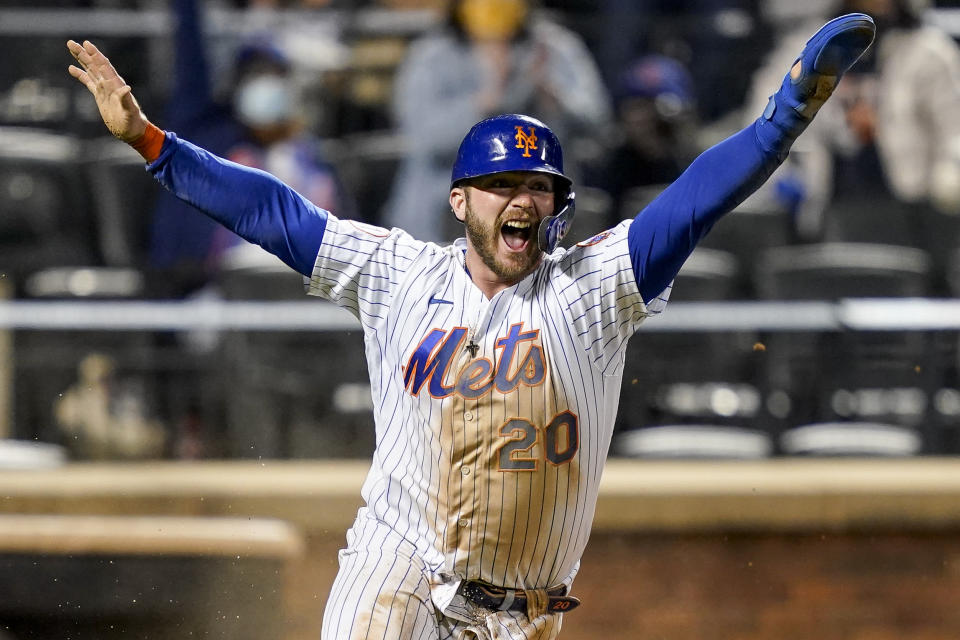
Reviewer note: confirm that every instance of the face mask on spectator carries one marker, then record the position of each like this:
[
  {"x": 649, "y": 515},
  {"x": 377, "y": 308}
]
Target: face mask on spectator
[{"x": 264, "y": 101}]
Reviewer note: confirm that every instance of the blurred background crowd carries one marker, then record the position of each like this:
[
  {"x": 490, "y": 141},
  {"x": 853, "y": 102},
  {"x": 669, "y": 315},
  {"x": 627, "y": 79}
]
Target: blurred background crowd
[{"x": 360, "y": 105}]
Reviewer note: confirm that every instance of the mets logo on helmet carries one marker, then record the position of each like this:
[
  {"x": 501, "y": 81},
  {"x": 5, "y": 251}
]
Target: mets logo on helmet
[{"x": 526, "y": 141}]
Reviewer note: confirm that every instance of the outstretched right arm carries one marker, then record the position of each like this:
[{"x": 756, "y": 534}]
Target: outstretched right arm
[
  {"x": 663, "y": 235},
  {"x": 251, "y": 203}
]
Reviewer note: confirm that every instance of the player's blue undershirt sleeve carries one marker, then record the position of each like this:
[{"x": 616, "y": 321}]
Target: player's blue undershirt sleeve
[
  {"x": 252, "y": 203},
  {"x": 663, "y": 235}
]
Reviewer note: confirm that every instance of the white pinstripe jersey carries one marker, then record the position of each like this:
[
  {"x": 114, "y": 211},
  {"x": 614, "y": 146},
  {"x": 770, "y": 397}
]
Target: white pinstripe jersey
[{"x": 488, "y": 460}]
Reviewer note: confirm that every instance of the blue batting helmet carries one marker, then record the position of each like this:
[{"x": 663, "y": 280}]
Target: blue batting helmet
[
  {"x": 515, "y": 142},
  {"x": 509, "y": 142}
]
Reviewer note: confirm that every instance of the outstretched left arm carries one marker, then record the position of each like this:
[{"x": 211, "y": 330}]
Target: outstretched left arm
[{"x": 251, "y": 203}]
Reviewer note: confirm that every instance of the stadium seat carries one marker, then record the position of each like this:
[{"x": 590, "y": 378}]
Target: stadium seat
[
  {"x": 872, "y": 220},
  {"x": 45, "y": 217},
  {"x": 707, "y": 275},
  {"x": 743, "y": 233},
  {"x": 123, "y": 196},
  {"x": 859, "y": 378},
  {"x": 49, "y": 243},
  {"x": 946, "y": 400},
  {"x": 700, "y": 379},
  {"x": 693, "y": 441},
  {"x": 887, "y": 221},
  {"x": 851, "y": 439},
  {"x": 835, "y": 270},
  {"x": 71, "y": 223},
  {"x": 635, "y": 199},
  {"x": 84, "y": 283},
  {"x": 953, "y": 270},
  {"x": 29, "y": 454},
  {"x": 367, "y": 164},
  {"x": 47, "y": 361},
  {"x": 746, "y": 232},
  {"x": 288, "y": 394},
  {"x": 248, "y": 272}
]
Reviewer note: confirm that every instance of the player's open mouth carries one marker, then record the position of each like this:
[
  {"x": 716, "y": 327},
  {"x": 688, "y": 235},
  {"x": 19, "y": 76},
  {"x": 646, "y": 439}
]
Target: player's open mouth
[{"x": 516, "y": 234}]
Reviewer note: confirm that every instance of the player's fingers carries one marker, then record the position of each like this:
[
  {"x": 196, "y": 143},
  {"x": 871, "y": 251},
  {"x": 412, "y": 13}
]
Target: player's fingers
[
  {"x": 98, "y": 61},
  {"x": 101, "y": 75},
  {"x": 78, "y": 73},
  {"x": 79, "y": 51},
  {"x": 90, "y": 58},
  {"x": 82, "y": 58},
  {"x": 76, "y": 51},
  {"x": 91, "y": 49},
  {"x": 82, "y": 76}
]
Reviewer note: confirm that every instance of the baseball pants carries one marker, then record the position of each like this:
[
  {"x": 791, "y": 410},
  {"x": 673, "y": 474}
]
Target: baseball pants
[{"x": 384, "y": 594}]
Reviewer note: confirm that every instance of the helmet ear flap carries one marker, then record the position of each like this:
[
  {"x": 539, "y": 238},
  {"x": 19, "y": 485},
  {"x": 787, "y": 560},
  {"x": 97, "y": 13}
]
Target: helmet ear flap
[{"x": 554, "y": 228}]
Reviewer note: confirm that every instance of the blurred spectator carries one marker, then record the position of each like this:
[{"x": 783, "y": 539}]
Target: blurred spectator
[
  {"x": 103, "y": 418},
  {"x": 490, "y": 57},
  {"x": 260, "y": 126},
  {"x": 715, "y": 39},
  {"x": 654, "y": 135},
  {"x": 725, "y": 37},
  {"x": 890, "y": 136}
]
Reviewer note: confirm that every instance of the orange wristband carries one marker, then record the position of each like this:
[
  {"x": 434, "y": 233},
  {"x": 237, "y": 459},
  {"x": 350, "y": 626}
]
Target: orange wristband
[{"x": 150, "y": 143}]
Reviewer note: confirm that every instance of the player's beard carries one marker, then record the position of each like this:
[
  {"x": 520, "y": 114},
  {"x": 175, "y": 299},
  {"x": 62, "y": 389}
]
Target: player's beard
[{"x": 485, "y": 240}]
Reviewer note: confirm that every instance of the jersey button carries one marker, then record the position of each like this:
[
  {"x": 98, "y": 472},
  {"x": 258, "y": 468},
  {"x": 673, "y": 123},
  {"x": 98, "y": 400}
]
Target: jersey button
[
  {"x": 463, "y": 522},
  {"x": 465, "y": 470},
  {"x": 468, "y": 416}
]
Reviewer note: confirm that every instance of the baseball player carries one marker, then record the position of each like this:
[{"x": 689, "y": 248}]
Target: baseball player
[{"x": 495, "y": 362}]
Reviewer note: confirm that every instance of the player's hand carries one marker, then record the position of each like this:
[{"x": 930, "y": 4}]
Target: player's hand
[{"x": 118, "y": 107}]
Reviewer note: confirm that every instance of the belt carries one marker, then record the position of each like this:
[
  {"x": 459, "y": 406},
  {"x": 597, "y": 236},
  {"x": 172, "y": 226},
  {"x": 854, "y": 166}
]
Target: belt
[{"x": 495, "y": 598}]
